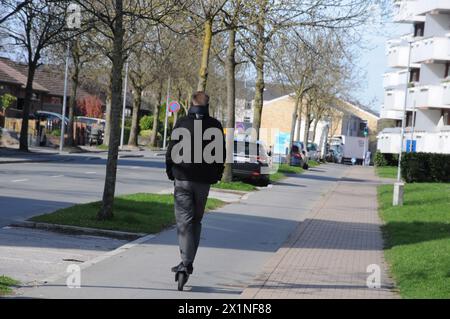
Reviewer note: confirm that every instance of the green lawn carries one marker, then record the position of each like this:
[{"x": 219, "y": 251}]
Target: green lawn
[
  {"x": 5, "y": 285},
  {"x": 417, "y": 239},
  {"x": 140, "y": 213},
  {"x": 386, "y": 171},
  {"x": 312, "y": 163},
  {"x": 283, "y": 171},
  {"x": 237, "y": 185}
]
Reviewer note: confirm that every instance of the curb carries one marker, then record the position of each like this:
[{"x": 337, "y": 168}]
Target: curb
[
  {"x": 231, "y": 191},
  {"x": 79, "y": 230}
]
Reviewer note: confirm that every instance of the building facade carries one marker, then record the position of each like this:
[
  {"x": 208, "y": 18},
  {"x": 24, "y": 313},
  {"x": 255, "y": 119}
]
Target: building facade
[
  {"x": 343, "y": 118},
  {"x": 425, "y": 89}
]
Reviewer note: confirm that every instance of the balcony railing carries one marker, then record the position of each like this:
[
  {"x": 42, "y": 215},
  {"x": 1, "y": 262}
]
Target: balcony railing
[
  {"x": 395, "y": 79},
  {"x": 398, "y": 56},
  {"x": 446, "y": 93},
  {"x": 430, "y": 142},
  {"x": 394, "y": 100},
  {"x": 415, "y": 10},
  {"x": 391, "y": 114},
  {"x": 429, "y": 96},
  {"x": 431, "y": 49}
]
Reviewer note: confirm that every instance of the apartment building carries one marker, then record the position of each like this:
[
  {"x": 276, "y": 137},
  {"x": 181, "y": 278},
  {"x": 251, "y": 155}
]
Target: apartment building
[{"x": 425, "y": 52}]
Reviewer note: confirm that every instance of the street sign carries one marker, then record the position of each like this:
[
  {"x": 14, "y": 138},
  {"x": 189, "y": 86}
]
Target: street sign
[{"x": 174, "y": 106}]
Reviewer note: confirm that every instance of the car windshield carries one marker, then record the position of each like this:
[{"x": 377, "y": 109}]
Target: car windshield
[
  {"x": 248, "y": 148},
  {"x": 312, "y": 147}
]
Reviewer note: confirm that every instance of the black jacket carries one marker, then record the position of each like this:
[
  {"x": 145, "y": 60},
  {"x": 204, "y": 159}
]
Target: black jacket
[{"x": 209, "y": 173}]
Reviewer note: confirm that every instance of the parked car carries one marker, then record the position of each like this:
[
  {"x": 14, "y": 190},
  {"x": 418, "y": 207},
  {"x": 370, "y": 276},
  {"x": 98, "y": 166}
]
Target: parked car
[
  {"x": 251, "y": 162},
  {"x": 299, "y": 155},
  {"x": 313, "y": 151},
  {"x": 95, "y": 129}
]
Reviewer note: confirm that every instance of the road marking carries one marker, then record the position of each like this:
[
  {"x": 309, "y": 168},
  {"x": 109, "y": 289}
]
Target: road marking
[
  {"x": 54, "y": 176},
  {"x": 90, "y": 172},
  {"x": 19, "y": 180}
]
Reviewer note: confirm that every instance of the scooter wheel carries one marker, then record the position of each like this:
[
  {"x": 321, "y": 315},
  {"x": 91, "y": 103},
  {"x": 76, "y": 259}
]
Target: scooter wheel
[{"x": 182, "y": 278}]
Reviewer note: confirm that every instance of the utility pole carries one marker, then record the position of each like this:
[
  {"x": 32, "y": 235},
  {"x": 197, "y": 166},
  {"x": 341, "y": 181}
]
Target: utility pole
[
  {"x": 124, "y": 106},
  {"x": 413, "y": 125},
  {"x": 167, "y": 114},
  {"x": 63, "y": 115},
  {"x": 398, "y": 186}
]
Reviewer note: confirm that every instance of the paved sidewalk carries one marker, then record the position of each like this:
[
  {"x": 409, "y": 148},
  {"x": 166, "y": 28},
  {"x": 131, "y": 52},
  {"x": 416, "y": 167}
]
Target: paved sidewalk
[
  {"x": 328, "y": 254},
  {"x": 237, "y": 241}
]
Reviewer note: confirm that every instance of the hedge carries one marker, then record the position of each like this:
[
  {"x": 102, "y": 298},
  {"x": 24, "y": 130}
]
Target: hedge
[
  {"x": 382, "y": 159},
  {"x": 426, "y": 167}
]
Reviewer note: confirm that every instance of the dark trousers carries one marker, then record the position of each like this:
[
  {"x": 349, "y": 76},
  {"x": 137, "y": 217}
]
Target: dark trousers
[{"x": 190, "y": 202}]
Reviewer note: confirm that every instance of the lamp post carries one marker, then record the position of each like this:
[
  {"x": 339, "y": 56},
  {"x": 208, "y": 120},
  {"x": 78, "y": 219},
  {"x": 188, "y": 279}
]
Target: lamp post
[
  {"x": 399, "y": 185},
  {"x": 124, "y": 106},
  {"x": 63, "y": 115}
]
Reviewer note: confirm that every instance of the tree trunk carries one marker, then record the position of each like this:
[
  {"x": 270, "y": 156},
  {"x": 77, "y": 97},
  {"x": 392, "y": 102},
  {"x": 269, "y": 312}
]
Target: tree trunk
[
  {"x": 107, "y": 119},
  {"x": 106, "y": 212},
  {"x": 26, "y": 106},
  {"x": 259, "y": 64},
  {"x": 137, "y": 101},
  {"x": 307, "y": 124},
  {"x": 313, "y": 138},
  {"x": 294, "y": 121},
  {"x": 231, "y": 101},
  {"x": 299, "y": 120},
  {"x": 156, "y": 109},
  {"x": 203, "y": 73}
]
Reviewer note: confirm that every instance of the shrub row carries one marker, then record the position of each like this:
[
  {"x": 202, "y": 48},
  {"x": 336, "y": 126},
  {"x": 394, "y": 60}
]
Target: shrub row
[
  {"x": 385, "y": 159},
  {"x": 426, "y": 167}
]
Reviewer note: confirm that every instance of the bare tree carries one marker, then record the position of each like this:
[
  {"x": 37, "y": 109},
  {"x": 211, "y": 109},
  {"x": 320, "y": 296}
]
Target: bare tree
[
  {"x": 10, "y": 8},
  {"x": 36, "y": 26},
  {"x": 117, "y": 22}
]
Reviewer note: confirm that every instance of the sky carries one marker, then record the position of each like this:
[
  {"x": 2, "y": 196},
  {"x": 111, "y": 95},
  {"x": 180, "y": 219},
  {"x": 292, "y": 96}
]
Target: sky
[{"x": 373, "y": 62}]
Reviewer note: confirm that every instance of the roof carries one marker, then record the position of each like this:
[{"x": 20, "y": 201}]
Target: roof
[
  {"x": 48, "y": 78},
  {"x": 357, "y": 106},
  {"x": 11, "y": 72}
]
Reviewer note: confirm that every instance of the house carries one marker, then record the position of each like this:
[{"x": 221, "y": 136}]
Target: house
[
  {"x": 418, "y": 79},
  {"x": 48, "y": 89},
  {"x": 343, "y": 118}
]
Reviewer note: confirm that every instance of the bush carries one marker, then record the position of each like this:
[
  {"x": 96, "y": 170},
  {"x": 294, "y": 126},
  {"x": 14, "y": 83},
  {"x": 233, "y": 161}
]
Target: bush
[
  {"x": 56, "y": 132},
  {"x": 146, "y": 122},
  {"x": 384, "y": 159},
  {"x": 426, "y": 167},
  {"x": 380, "y": 159}
]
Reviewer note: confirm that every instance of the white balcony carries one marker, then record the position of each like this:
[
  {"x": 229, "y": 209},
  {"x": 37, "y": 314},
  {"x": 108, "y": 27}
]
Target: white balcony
[
  {"x": 429, "y": 142},
  {"x": 407, "y": 12},
  {"x": 395, "y": 79},
  {"x": 391, "y": 114},
  {"x": 430, "y": 49},
  {"x": 429, "y": 96},
  {"x": 398, "y": 56},
  {"x": 427, "y": 6},
  {"x": 394, "y": 100},
  {"x": 446, "y": 94}
]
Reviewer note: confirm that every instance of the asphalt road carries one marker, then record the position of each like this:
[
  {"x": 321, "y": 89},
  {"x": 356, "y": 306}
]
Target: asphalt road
[{"x": 29, "y": 189}]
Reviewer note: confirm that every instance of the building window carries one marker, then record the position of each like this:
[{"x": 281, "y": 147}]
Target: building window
[
  {"x": 415, "y": 75},
  {"x": 447, "y": 70},
  {"x": 247, "y": 119},
  {"x": 248, "y": 105},
  {"x": 446, "y": 117},
  {"x": 419, "y": 29}
]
